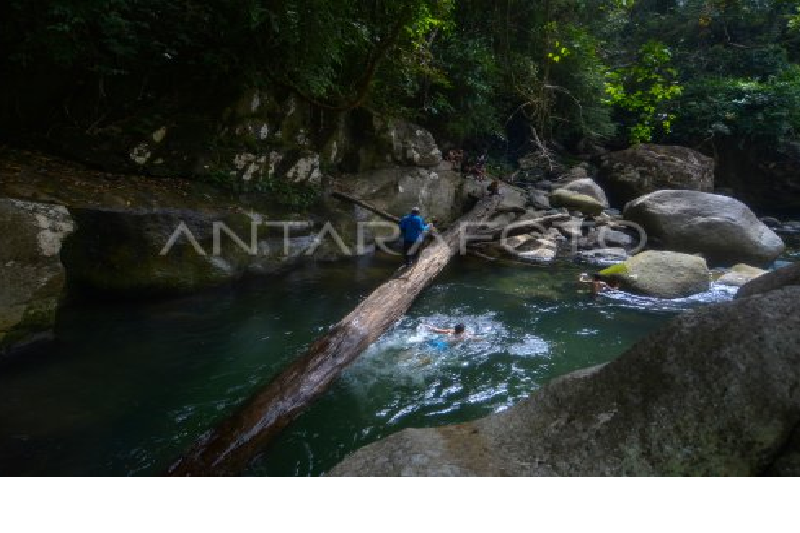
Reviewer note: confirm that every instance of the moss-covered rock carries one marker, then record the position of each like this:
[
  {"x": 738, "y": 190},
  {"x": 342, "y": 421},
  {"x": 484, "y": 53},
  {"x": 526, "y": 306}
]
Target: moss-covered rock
[
  {"x": 32, "y": 276},
  {"x": 662, "y": 274}
]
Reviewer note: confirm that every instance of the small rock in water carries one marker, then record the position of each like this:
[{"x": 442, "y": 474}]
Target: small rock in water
[
  {"x": 740, "y": 275},
  {"x": 603, "y": 257}
]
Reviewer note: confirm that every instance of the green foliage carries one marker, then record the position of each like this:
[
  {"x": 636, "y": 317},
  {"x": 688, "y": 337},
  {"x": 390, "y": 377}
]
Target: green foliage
[
  {"x": 644, "y": 90},
  {"x": 742, "y": 107},
  {"x": 677, "y": 70}
]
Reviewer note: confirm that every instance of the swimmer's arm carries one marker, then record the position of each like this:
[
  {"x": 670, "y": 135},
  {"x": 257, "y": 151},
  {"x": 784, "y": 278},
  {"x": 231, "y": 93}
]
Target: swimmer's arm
[{"x": 438, "y": 330}]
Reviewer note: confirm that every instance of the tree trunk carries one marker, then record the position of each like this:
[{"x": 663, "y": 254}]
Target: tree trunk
[
  {"x": 369, "y": 207},
  {"x": 229, "y": 448}
]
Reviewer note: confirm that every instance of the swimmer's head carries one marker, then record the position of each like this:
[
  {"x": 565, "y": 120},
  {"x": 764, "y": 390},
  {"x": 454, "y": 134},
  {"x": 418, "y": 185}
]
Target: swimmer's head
[
  {"x": 597, "y": 277},
  {"x": 460, "y": 329}
]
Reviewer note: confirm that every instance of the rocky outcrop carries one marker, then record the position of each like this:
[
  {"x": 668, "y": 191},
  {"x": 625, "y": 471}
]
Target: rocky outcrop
[
  {"x": 260, "y": 137},
  {"x": 438, "y": 193},
  {"x": 722, "y": 229},
  {"x": 410, "y": 144},
  {"x": 716, "y": 392},
  {"x": 645, "y": 168},
  {"x": 162, "y": 252},
  {"x": 31, "y": 277},
  {"x": 783, "y": 277},
  {"x": 662, "y": 274}
]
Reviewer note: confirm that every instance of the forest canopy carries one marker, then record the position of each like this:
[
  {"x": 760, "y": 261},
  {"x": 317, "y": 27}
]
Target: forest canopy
[{"x": 685, "y": 71}]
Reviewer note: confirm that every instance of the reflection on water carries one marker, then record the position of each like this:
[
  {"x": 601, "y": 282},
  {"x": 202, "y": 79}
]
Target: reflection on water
[{"x": 132, "y": 385}]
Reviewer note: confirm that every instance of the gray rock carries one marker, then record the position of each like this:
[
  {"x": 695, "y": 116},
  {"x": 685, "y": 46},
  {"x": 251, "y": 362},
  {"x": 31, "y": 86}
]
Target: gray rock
[
  {"x": 411, "y": 145},
  {"x": 577, "y": 173},
  {"x": 740, "y": 275},
  {"x": 723, "y": 229},
  {"x": 783, "y": 277},
  {"x": 714, "y": 393},
  {"x": 32, "y": 276},
  {"x": 150, "y": 252},
  {"x": 539, "y": 199},
  {"x": 787, "y": 464},
  {"x": 663, "y": 274},
  {"x": 588, "y": 187},
  {"x": 574, "y": 200},
  {"x": 539, "y": 255},
  {"x": 611, "y": 237},
  {"x": 646, "y": 168},
  {"x": 602, "y": 257}
]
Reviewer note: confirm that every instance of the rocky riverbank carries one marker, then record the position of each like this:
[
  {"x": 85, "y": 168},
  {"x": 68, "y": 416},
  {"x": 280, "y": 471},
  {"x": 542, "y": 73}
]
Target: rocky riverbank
[{"x": 715, "y": 392}]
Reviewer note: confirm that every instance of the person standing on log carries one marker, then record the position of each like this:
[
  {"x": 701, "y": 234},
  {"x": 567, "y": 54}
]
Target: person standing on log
[{"x": 412, "y": 228}]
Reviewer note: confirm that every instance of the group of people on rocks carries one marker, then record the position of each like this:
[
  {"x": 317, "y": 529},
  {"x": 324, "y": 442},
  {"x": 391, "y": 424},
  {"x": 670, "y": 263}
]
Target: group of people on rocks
[{"x": 462, "y": 162}]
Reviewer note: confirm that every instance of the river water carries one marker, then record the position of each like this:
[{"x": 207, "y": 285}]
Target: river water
[{"x": 129, "y": 386}]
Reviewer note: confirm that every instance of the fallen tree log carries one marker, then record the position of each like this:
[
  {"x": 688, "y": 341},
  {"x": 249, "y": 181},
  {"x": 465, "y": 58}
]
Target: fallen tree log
[
  {"x": 227, "y": 449},
  {"x": 369, "y": 207}
]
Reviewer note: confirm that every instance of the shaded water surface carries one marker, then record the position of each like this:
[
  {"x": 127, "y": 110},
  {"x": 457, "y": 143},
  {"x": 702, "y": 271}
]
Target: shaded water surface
[{"x": 132, "y": 385}]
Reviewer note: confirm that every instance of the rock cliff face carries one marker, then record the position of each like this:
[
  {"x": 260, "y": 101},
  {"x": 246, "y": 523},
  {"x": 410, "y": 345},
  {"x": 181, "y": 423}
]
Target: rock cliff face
[
  {"x": 646, "y": 168},
  {"x": 260, "y": 136},
  {"x": 31, "y": 273},
  {"x": 162, "y": 252},
  {"x": 715, "y": 392}
]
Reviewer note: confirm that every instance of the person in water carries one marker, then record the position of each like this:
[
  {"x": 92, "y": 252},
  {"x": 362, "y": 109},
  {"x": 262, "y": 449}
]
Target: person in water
[
  {"x": 598, "y": 285},
  {"x": 459, "y": 331},
  {"x": 412, "y": 228}
]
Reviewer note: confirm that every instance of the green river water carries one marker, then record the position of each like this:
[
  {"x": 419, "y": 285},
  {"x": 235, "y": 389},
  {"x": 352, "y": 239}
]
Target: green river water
[{"x": 129, "y": 386}]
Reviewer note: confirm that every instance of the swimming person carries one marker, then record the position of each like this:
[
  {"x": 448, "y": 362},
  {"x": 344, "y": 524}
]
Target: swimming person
[
  {"x": 457, "y": 334},
  {"x": 597, "y": 283},
  {"x": 459, "y": 331},
  {"x": 412, "y": 228}
]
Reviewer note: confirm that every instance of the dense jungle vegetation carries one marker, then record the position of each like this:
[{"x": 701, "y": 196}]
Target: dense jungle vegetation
[{"x": 683, "y": 71}]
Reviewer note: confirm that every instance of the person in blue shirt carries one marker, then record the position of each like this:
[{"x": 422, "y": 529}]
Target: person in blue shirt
[{"x": 412, "y": 228}]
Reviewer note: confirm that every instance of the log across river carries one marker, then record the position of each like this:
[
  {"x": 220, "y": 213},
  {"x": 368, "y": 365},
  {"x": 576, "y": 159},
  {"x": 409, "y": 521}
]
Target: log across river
[{"x": 228, "y": 448}]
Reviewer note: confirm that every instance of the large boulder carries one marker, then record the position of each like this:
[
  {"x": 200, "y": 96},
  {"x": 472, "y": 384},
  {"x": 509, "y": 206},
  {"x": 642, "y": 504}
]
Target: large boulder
[
  {"x": 588, "y": 187},
  {"x": 715, "y": 393},
  {"x": 410, "y": 145},
  {"x": 438, "y": 193},
  {"x": 576, "y": 201},
  {"x": 162, "y": 252},
  {"x": 646, "y": 168},
  {"x": 723, "y": 229},
  {"x": 31, "y": 277},
  {"x": 663, "y": 274}
]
